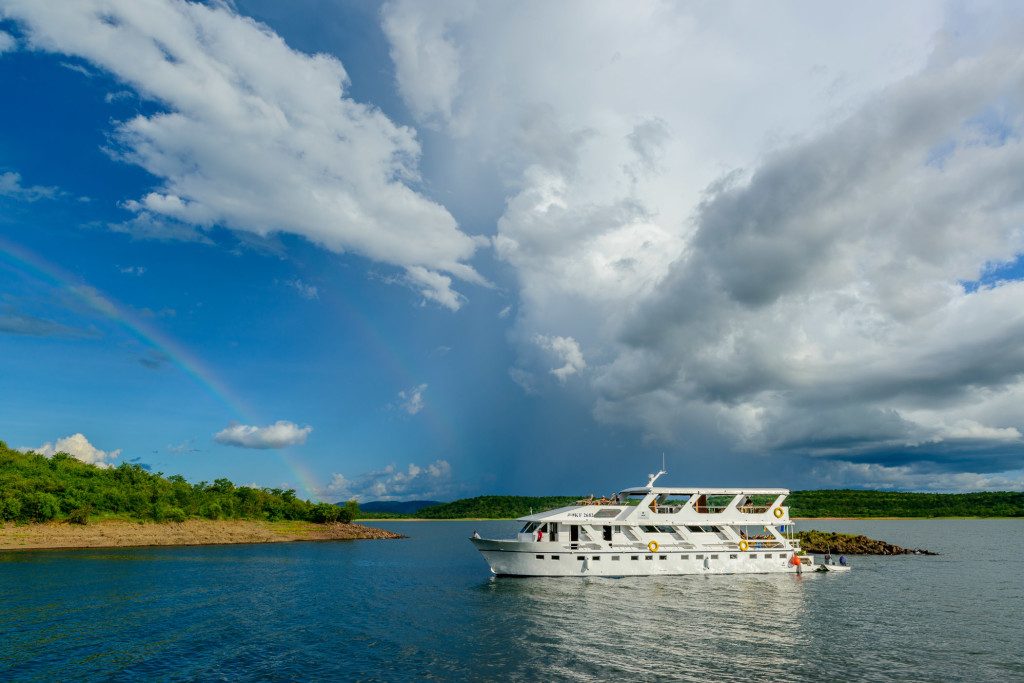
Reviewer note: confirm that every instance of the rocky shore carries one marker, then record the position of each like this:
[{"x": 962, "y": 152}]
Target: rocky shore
[
  {"x": 818, "y": 542},
  {"x": 118, "y": 533}
]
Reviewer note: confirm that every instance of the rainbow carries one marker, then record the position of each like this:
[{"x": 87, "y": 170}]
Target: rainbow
[{"x": 26, "y": 261}]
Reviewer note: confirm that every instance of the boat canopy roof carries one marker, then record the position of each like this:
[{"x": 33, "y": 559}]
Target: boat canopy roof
[{"x": 698, "y": 491}]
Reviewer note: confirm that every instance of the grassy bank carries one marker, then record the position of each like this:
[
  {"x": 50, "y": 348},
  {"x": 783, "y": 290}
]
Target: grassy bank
[{"x": 116, "y": 533}]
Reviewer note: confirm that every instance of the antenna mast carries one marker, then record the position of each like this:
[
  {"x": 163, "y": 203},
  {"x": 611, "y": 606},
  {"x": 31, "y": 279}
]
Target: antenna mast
[{"x": 654, "y": 477}]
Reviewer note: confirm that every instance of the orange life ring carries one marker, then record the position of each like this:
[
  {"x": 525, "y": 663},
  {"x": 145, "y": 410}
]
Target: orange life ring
[
  {"x": 653, "y": 546},
  {"x": 778, "y": 513}
]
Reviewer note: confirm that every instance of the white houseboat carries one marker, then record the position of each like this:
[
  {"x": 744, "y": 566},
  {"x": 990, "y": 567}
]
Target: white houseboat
[{"x": 653, "y": 530}]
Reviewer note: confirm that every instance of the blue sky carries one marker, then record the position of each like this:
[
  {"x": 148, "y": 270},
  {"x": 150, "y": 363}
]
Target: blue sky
[{"x": 395, "y": 251}]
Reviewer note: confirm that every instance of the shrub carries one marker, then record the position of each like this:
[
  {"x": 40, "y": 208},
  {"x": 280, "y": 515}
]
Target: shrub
[
  {"x": 213, "y": 511},
  {"x": 10, "y": 508},
  {"x": 80, "y": 515},
  {"x": 41, "y": 507},
  {"x": 168, "y": 513},
  {"x": 349, "y": 511},
  {"x": 324, "y": 512}
]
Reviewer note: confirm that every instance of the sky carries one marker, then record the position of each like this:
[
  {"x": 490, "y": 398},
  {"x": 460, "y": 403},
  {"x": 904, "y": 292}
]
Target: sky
[{"x": 412, "y": 250}]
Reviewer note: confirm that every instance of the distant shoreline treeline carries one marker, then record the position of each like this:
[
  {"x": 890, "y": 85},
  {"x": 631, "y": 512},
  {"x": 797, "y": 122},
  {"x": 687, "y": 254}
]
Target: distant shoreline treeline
[
  {"x": 36, "y": 488},
  {"x": 819, "y": 503}
]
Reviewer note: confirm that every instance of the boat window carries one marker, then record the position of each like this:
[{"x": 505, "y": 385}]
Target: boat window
[
  {"x": 616, "y": 558},
  {"x": 753, "y": 557},
  {"x": 768, "y": 556},
  {"x": 607, "y": 533},
  {"x": 666, "y": 529},
  {"x": 540, "y": 557},
  {"x": 703, "y": 529},
  {"x": 684, "y": 557},
  {"x": 714, "y": 557},
  {"x": 649, "y": 529},
  {"x": 648, "y": 557},
  {"x": 606, "y": 513},
  {"x": 712, "y": 504},
  {"x": 733, "y": 557},
  {"x": 555, "y": 557},
  {"x": 662, "y": 557},
  {"x": 581, "y": 558},
  {"x": 634, "y": 557},
  {"x": 596, "y": 558},
  {"x": 757, "y": 504},
  {"x": 632, "y": 498},
  {"x": 530, "y": 527},
  {"x": 699, "y": 557}
]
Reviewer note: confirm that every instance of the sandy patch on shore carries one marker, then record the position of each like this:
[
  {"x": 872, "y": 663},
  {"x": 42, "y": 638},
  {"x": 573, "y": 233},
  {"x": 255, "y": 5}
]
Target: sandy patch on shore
[{"x": 117, "y": 533}]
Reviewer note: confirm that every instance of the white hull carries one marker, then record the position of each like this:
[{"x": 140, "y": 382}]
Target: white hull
[{"x": 532, "y": 561}]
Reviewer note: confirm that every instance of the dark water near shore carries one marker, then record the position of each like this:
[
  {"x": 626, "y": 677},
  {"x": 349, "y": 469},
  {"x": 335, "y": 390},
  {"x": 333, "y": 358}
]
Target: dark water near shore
[{"x": 426, "y": 608}]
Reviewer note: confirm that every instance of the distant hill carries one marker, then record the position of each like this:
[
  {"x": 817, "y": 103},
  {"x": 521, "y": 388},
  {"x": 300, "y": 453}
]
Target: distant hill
[
  {"x": 859, "y": 503},
  {"x": 406, "y": 507},
  {"x": 819, "y": 503}
]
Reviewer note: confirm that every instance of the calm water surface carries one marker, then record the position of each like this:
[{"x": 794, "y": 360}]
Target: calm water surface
[{"x": 427, "y": 608}]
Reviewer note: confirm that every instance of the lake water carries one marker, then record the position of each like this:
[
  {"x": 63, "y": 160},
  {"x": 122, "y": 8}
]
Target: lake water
[{"x": 427, "y": 608}]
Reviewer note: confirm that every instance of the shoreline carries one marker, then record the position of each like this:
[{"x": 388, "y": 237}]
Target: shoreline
[{"x": 193, "y": 532}]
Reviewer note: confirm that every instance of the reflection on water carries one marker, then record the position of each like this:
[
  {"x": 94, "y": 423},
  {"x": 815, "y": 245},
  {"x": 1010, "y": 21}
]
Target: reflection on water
[
  {"x": 427, "y": 608},
  {"x": 685, "y": 628}
]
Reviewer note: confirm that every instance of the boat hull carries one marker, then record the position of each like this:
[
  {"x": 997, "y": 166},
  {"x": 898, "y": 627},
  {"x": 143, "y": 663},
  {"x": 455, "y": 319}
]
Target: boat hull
[{"x": 511, "y": 558}]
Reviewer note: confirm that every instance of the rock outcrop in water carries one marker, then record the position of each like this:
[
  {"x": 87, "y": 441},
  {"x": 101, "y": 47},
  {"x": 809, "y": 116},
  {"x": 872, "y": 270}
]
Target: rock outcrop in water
[{"x": 814, "y": 541}]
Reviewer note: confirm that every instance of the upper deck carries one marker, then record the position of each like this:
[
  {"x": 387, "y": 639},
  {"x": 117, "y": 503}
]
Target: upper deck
[{"x": 675, "y": 504}]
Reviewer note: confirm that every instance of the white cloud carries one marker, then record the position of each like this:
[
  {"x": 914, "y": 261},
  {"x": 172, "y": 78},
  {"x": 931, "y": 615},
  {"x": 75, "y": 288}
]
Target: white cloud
[
  {"x": 430, "y": 482},
  {"x": 281, "y": 434},
  {"x": 10, "y": 186},
  {"x": 183, "y": 447},
  {"x": 567, "y": 351},
  {"x": 526, "y": 380},
  {"x": 78, "y": 447},
  {"x": 772, "y": 248},
  {"x": 255, "y": 136},
  {"x": 505, "y": 312},
  {"x": 132, "y": 270},
  {"x": 305, "y": 290},
  {"x": 426, "y": 59},
  {"x": 411, "y": 400},
  {"x": 77, "y": 68},
  {"x": 7, "y": 42},
  {"x": 147, "y": 226}
]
